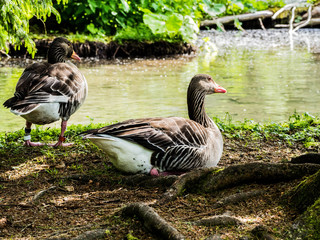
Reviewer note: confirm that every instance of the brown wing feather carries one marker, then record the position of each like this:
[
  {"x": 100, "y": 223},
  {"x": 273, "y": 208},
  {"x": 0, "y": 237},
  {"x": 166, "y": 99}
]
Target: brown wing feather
[
  {"x": 44, "y": 83},
  {"x": 158, "y": 133}
]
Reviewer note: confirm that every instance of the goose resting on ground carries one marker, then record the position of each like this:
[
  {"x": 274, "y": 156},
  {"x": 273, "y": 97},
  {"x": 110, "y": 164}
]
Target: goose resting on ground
[
  {"x": 166, "y": 145},
  {"x": 49, "y": 91}
]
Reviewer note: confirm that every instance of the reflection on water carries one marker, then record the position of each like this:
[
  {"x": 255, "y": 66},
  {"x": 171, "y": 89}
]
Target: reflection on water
[{"x": 262, "y": 85}]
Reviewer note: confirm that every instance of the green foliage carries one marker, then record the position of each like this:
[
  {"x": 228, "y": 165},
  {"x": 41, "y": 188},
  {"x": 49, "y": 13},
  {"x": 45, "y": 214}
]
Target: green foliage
[
  {"x": 131, "y": 237},
  {"x": 8, "y": 140},
  {"x": 299, "y": 128},
  {"x": 133, "y": 20},
  {"x": 220, "y": 8},
  {"x": 312, "y": 226},
  {"x": 142, "y": 20},
  {"x": 232, "y": 7},
  {"x": 14, "y": 21},
  {"x": 147, "y": 20}
]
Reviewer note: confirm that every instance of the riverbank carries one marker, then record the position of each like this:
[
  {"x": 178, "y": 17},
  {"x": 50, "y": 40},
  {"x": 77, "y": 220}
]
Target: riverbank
[
  {"x": 111, "y": 50},
  {"x": 83, "y": 192}
]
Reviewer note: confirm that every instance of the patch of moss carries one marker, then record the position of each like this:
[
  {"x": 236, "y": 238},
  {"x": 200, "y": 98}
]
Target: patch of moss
[
  {"x": 216, "y": 170},
  {"x": 131, "y": 237},
  {"x": 309, "y": 223},
  {"x": 305, "y": 194}
]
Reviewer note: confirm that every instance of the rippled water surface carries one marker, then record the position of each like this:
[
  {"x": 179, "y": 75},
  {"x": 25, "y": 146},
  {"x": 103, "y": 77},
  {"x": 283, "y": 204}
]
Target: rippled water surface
[{"x": 267, "y": 78}]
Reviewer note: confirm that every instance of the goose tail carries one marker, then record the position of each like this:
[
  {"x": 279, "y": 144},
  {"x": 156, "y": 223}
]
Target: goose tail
[
  {"x": 10, "y": 102},
  {"x": 87, "y": 133}
]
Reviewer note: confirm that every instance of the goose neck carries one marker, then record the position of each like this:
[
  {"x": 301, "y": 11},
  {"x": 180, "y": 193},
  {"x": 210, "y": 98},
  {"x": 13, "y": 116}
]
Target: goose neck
[
  {"x": 196, "y": 108},
  {"x": 56, "y": 55}
]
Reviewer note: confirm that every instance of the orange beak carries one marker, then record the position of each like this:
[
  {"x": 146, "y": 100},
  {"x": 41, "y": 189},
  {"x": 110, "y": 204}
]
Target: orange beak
[
  {"x": 219, "y": 89},
  {"x": 75, "y": 56}
]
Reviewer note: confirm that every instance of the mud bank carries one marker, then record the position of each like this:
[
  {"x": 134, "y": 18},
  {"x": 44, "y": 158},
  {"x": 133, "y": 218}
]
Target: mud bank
[{"x": 113, "y": 50}]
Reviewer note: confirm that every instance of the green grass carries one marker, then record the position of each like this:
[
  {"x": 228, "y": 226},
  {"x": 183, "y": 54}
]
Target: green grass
[{"x": 302, "y": 128}]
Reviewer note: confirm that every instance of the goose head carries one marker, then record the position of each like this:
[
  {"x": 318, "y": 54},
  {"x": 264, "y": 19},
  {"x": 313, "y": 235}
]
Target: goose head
[
  {"x": 205, "y": 84},
  {"x": 200, "y": 86},
  {"x": 60, "y": 50}
]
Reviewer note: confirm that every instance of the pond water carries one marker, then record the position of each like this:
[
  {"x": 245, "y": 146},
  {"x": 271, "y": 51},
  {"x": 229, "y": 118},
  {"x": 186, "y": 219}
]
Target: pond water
[{"x": 268, "y": 78}]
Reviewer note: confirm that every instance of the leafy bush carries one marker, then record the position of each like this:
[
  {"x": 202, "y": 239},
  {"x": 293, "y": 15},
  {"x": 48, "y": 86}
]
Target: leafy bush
[
  {"x": 148, "y": 20},
  {"x": 142, "y": 20},
  {"x": 14, "y": 20},
  {"x": 137, "y": 19}
]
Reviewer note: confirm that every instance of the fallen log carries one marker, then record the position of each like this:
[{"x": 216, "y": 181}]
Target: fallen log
[
  {"x": 312, "y": 22},
  {"x": 152, "y": 221},
  {"x": 240, "y": 17}
]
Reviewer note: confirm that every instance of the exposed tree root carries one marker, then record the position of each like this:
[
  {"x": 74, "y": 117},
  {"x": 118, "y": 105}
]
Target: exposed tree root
[
  {"x": 92, "y": 235},
  {"x": 40, "y": 194},
  {"x": 262, "y": 233},
  {"x": 305, "y": 194},
  {"x": 179, "y": 185},
  {"x": 152, "y": 221},
  {"x": 150, "y": 181},
  {"x": 307, "y": 158},
  {"x": 238, "y": 197},
  {"x": 213, "y": 179},
  {"x": 232, "y": 199},
  {"x": 61, "y": 235},
  {"x": 218, "y": 220}
]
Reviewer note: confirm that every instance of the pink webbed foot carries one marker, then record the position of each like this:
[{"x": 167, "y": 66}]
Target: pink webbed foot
[
  {"x": 61, "y": 143},
  {"x": 154, "y": 172},
  {"x": 28, "y": 143}
]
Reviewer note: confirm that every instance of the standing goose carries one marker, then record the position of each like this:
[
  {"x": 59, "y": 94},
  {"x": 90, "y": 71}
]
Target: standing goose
[
  {"x": 49, "y": 91},
  {"x": 165, "y": 145}
]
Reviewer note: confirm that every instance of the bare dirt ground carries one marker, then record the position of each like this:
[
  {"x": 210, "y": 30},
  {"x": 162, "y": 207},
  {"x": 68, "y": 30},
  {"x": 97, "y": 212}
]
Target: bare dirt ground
[{"x": 85, "y": 192}]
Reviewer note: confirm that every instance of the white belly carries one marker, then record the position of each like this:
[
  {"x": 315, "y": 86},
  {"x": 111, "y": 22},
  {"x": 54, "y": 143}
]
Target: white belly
[
  {"x": 44, "y": 114},
  {"x": 125, "y": 155}
]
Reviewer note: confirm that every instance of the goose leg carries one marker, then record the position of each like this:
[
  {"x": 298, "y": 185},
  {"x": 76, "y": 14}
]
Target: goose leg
[
  {"x": 27, "y": 136},
  {"x": 61, "y": 137}
]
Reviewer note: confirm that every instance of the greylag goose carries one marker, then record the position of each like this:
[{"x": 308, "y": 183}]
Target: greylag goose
[
  {"x": 163, "y": 146},
  {"x": 49, "y": 91}
]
